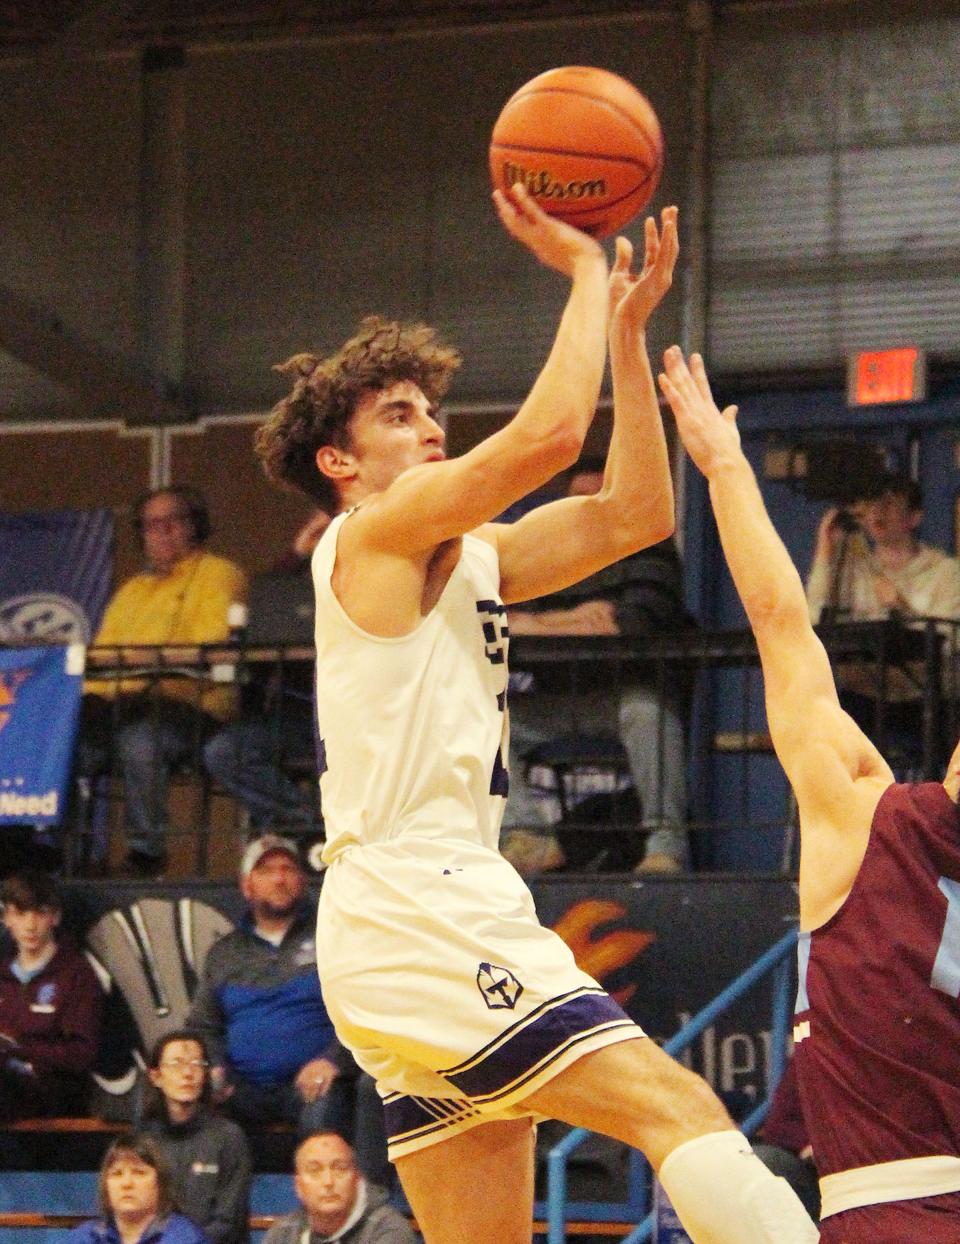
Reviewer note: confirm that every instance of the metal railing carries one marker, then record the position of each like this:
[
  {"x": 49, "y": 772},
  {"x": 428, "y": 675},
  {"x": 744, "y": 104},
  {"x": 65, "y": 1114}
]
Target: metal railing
[
  {"x": 777, "y": 961},
  {"x": 899, "y": 669}
]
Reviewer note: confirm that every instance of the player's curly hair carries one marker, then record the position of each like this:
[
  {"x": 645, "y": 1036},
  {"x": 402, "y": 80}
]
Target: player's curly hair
[{"x": 325, "y": 391}]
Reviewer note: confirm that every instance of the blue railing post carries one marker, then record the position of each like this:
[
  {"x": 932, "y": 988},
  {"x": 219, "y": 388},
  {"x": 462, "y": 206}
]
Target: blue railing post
[{"x": 778, "y": 961}]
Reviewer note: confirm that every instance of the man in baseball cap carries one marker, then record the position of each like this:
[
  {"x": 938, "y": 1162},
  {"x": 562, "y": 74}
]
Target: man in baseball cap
[
  {"x": 274, "y": 1056},
  {"x": 266, "y": 844}
]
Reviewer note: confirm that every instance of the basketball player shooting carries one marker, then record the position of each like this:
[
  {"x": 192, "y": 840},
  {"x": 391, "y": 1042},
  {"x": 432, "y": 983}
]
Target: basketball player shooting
[
  {"x": 876, "y": 1035},
  {"x": 472, "y": 1017}
]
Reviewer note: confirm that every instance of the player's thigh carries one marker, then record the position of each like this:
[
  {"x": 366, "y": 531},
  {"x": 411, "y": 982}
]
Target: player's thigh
[
  {"x": 477, "y": 1185},
  {"x": 635, "y": 1093}
]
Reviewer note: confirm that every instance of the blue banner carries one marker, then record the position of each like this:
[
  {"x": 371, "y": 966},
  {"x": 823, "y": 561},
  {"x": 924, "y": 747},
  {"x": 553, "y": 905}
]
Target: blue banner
[
  {"x": 40, "y": 692},
  {"x": 55, "y": 572}
]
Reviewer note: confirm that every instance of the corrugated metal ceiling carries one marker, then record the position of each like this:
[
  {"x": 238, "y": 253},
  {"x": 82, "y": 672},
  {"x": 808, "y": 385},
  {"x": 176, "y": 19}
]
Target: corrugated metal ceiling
[{"x": 37, "y": 25}]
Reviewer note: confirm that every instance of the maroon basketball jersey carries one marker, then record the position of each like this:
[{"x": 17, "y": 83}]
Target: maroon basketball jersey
[{"x": 879, "y": 1064}]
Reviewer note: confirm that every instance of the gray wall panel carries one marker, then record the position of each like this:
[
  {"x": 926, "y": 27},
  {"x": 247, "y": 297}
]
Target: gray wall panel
[
  {"x": 329, "y": 181},
  {"x": 835, "y": 185},
  {"x": 68, "y": 207}
]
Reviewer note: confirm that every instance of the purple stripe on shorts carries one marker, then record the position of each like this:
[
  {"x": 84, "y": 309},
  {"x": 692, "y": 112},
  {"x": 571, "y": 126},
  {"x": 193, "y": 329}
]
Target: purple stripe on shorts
[
  {"x": 408, "y": 1118},
  {"x": 532, "y": 1044}
]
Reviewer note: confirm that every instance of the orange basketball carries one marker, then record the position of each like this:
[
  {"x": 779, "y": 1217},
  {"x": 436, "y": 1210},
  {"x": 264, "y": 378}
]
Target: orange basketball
[{"x": 584, "y": 142}]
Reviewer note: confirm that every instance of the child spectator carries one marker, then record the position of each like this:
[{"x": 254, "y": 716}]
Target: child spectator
[{"x": 50, "y": 1005}]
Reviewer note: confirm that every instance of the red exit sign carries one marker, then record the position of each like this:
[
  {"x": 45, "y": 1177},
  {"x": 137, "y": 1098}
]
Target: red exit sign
[{"x": 875, "y": 377}]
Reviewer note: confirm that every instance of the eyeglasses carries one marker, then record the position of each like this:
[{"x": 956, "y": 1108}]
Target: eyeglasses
[
  {"x": 182, "y": 1064},
  {"x": 162, "y": 522}
]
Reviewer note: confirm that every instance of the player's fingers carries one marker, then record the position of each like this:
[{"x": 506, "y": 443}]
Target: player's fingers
[
  {"x": 651, "y": 241},
  {"x": 624, "y": 255},
  {"x": 505, "y": 208},
  {"x": 669, "y": 239},
  {"x": 526, "y": 203},
  {"x": 668, "y": 390},
  {"x": 730, "y": 413},
  {"x": 699, "y": 374},
  {"x": 509, "y": 206},
  {"x": 678, "y": 402},
  {"x": 676, "y": 368}
]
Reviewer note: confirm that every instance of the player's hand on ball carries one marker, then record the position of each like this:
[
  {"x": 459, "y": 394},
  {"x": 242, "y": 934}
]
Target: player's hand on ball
[
  {"x": 558, "y": 245},
  {"x": 635, "y": 296},
  {"x": 710, "y": 436}
]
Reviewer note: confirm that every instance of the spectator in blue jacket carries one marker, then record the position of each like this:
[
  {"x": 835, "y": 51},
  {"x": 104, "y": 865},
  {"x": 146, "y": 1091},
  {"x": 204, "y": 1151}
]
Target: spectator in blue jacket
[
  {"x": 258, "y": 1007},
  {"x": 136, "y": 1200}
]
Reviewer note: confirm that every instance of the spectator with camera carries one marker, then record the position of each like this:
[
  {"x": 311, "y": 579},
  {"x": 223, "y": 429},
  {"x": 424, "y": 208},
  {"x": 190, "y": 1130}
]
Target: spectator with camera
[
  {"x": 50, "y": 1005},
  {"x": 868, "y": 563},
  {"x": 181, "y": 596},
  {"x": 868, "y": 566}
]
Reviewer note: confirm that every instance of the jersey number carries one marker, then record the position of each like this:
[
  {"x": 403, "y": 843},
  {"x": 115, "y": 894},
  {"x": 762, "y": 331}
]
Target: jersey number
[{"x": 495, "y": 634}]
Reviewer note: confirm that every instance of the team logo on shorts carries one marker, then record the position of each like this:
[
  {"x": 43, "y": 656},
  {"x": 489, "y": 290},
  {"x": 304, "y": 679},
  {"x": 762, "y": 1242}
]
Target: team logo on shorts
[{"x": 499, "y": 987}]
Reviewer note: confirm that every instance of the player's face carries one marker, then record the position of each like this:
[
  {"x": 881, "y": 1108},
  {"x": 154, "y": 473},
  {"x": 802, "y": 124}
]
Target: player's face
[
  {"x": 275, "y": 886},
  {"x": 392, "y": 430},
  {"x": 167, "y": 530},
  {"x": 326, "y": 1182},
  {"x": 32, "y": 929},
  {"x": 132, "y": 1188},
  {"x": 181, "y": 1072}
]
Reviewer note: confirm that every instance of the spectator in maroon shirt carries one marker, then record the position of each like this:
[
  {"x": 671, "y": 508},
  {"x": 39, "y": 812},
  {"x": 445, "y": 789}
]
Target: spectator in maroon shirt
[{"x": 50, "y": 1005}]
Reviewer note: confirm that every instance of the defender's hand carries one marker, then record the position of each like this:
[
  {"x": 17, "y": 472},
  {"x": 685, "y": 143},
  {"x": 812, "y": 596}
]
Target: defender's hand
[
  {"x": 709, "y": 435},
  {"x": 634, "y": 297},
  {"x": 555, "y": 243}
]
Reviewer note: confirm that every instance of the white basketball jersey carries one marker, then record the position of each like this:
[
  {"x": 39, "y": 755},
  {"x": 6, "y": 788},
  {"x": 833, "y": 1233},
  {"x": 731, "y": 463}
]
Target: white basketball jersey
[{"x": 413, "y": 730}]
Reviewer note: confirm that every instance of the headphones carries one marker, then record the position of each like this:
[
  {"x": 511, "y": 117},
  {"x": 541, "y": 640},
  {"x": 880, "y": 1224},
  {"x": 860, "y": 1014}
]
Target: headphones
[{"x": 197, "y": 512}]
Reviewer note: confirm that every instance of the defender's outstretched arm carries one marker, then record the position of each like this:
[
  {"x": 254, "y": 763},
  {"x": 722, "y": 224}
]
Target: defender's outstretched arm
[{"x": 836, "y": 772}]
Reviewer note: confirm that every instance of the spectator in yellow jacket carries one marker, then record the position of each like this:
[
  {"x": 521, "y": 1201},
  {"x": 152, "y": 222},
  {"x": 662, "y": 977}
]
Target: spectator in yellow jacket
[{"x": 182, "y": 596}]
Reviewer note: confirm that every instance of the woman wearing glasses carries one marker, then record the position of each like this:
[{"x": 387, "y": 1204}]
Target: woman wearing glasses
[{"x": 208, "y": 1154}]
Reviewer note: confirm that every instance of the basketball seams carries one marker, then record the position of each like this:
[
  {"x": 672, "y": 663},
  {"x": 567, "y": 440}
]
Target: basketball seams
[
  {"x": 630, "y": 161},
  {"x": 584, "y": 142},
  {"x": 611, "y": 107},
  {"x": 570, "y": 215}
]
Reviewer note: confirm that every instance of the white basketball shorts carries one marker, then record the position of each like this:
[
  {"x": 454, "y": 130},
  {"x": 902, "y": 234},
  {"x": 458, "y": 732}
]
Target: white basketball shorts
[{"x": 450, "y": 993}]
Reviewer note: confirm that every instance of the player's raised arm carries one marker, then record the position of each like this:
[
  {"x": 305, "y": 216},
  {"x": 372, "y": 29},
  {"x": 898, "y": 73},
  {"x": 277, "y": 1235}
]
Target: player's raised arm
[
  {"x": 429, "y": 504},
  {"x": 565, "y": 541},
  {"x": 823, "y": 751}
]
